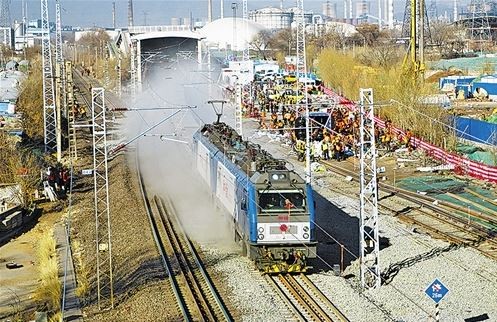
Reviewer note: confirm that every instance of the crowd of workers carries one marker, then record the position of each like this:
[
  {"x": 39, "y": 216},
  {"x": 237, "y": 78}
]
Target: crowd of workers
[
  {"x": 58, "y": 179},
  {"x": 336, "y": 139}
]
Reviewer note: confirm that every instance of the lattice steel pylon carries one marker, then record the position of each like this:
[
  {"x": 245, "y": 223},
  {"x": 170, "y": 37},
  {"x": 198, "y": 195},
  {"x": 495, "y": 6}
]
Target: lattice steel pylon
[
  {"x": 480, "y": 27},
  {"x": 369, "y": 245},
  {"x": 246, "y": 53},
  {"x": 49, "y": 112},
  {"x": 105, "y": 289},
  {"x": 5, "y": 13},
  {"x": 301, "y": 68}
]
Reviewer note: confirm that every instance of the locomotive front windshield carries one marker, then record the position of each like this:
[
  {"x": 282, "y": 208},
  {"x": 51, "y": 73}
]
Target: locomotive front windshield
[{"x": 281, "y": 201}]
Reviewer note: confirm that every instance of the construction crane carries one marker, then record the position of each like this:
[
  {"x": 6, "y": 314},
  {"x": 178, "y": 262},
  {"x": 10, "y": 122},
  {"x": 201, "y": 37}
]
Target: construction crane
[{"x": 415, "y": 17}]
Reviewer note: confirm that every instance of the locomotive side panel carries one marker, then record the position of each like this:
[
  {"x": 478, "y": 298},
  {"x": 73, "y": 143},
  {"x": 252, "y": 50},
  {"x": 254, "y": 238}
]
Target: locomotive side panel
[
  {"x": 225, "y": 189},
  {"x": 203, "y": 160}
]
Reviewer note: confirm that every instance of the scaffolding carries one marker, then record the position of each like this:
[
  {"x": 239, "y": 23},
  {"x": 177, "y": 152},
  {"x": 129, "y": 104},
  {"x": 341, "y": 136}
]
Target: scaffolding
[
  {"x": 480, "y": 27},
  {"x": 105, "y": 289},
  {"x": 369, "y": 246},
  {"x": 49, "y": 112}
]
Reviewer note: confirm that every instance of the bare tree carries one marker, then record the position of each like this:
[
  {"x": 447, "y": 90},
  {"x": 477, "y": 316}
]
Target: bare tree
[
  {"x": 283, "y": 42},
  {"x": 383, "y": 54},
  {"x": 370, "y": 32},
  {"x": 261, "y": 43},
  {"x": 448, "y": 39}
]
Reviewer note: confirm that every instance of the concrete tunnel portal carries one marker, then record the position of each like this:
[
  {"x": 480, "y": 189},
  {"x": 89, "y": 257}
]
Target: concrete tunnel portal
[{"x": 164, "y": 48}]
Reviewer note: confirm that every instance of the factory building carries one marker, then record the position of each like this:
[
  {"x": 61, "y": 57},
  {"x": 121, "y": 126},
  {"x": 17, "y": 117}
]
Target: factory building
[
  {"x": 274, "y": 18},
  {"x": 330, "y": 10},
  {"x": 361, "y": 8}
]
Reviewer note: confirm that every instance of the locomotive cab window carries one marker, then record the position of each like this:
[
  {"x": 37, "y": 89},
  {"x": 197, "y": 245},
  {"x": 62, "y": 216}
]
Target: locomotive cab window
[{"x": 281, "y": 201}]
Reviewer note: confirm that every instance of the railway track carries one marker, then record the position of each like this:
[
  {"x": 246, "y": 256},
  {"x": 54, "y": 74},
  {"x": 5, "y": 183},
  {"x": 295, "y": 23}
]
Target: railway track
[
  {"x": 439, "y": 218},
  {"x": 304, "y": 300},
  {"x": 195, "y": 294}
]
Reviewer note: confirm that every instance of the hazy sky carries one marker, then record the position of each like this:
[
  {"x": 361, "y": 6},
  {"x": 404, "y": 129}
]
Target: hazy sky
[{"x": 159, "y": 12}]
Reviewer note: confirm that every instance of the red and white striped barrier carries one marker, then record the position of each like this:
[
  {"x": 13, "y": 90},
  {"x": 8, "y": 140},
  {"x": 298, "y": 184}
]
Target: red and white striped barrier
[{"x": 462, "y": 165}]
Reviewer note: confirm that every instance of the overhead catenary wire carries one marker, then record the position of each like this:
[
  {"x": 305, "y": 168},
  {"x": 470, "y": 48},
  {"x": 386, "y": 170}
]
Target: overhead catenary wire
[{"x": 199, "y": 118}]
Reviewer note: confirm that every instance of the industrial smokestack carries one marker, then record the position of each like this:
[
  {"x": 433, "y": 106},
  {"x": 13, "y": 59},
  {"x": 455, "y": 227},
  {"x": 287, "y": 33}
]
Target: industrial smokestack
[
  {"x": 455, "y": 10},
  {"x": 130, "y": 13},
  {"x": 209, "y": 10},
  {"x": 114, "y": 15},
  {"x": 222, "y": 9},
  {"x": 345, "y": 9},
  {"x": 390, "y": 14},
  {"x": 379, "y": 15}
]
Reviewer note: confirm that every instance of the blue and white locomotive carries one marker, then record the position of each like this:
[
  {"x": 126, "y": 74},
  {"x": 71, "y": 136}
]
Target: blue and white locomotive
[{"x": 271, "y": 207}]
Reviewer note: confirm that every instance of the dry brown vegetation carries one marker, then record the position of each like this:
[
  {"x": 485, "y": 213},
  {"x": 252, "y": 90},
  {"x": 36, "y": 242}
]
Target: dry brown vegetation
[
  {"x": 30, "y": 102},
  {"x": 19, "y": 166},
  {"x": 49, "y": 290}
]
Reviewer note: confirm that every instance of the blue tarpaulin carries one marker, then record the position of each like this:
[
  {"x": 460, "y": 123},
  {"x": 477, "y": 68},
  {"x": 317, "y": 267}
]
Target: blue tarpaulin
[{"x": 476, "y": 130}]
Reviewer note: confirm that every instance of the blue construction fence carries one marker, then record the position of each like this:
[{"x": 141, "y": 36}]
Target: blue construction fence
[{"x": 476, "y": 130}]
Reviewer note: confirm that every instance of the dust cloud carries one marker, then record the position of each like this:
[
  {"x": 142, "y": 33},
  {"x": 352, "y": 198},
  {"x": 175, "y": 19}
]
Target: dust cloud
[{"x": 165, "y": 153}]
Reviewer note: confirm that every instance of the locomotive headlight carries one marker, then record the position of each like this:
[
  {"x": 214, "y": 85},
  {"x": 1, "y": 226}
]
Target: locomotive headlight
[
  {"x": 260, "y": 229},
  {"x": 274, "y": 176},
  {"x": 306, "y": 229},
  {"x": 305, "y": 235},
  {"x": 260, "y": 237}
]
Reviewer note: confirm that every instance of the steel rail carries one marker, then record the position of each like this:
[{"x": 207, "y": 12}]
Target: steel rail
[
  {"x": 159, "y": 244},
  {"x": 304, "y": 296},
  {"x": 208, "y": 301},
  {"x": 441, "y": 211}
]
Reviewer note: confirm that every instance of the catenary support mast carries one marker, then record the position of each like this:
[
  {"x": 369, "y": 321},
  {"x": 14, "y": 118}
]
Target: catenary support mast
[
  {"x": 369, "y": 245},
  {"x": 302, "y": 73},
  {"x": 105, "y": 289},
  {"x": 49, "y": 113},
  {"x": 60, "y": 98}
]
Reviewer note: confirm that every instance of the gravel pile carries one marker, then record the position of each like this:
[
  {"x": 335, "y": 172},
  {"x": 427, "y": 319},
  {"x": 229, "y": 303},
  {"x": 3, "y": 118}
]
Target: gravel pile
[{"x": 409, "y": 260}]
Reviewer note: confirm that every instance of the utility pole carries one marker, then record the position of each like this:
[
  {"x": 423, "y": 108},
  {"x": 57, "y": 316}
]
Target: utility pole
[
  {"x": 105, "y": 284},
  {"x": 49, "y": 113},
  {"x": 369, "y": 241}
]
